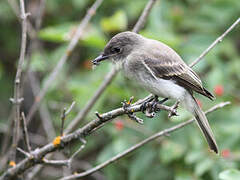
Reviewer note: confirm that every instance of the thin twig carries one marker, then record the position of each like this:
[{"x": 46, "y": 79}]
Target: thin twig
[
  {"x": 17, "y": 83},
  {"x": 43, "y": 110},
  {"x": 204, "y": 53},
  {"x": 82, "y": 114},
  {"x": 218, "y": 40},
  {"x": 142, "y": 19},
  {"x": 53, "y": 75},
  {"x": 40, "y": 13},
  {"x": 64, "y": 114},
  {"x": 25, "y": 132},
  {"x": 67, "y": 162},
  {"x": 140, "y": 144},
  {"x": 30, "y": 30},
  {"x": 24, "y": 152},
  {"x": 110, "y": 76}
]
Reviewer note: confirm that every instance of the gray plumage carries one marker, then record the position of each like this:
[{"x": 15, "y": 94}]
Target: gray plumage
[{"x": 159, "y": 69}]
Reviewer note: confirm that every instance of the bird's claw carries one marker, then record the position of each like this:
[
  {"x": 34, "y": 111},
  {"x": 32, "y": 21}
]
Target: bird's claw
[{"x": 173, "y": 111}]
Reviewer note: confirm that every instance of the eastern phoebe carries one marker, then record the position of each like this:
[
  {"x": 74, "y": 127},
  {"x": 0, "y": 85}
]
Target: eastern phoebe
[{"x": 160, "y": 70}]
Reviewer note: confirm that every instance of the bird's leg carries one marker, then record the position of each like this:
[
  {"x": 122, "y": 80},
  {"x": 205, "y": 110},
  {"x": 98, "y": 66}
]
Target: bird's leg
[{"x": 145, "y": 105}]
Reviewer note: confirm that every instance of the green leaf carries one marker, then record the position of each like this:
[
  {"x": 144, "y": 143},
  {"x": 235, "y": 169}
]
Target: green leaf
[
  {"x": 64, "y": 32},
  {"x": 230, "y": 174},
  {"x": 141, "y": 164},
  {"x": 116, "y": 22},
  {"x": 58, "y": 33},
  {"x": 204, "y": 166},
  {"x": 171, "y": 151}
]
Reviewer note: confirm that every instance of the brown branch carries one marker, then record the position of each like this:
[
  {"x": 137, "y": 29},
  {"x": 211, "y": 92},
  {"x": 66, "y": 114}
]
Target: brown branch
[
  {"x": 66, "y": 162},
  {"x": 53, "y": 75},
  {"x": 39, "y": 18},
  {"x": 25, "y": 132},
  {"x": 142, "y": 19},
  {"x": 63, "y": 116},
  {"x": 43, "y": 110},
  {"x": 165, "y": 132},
  {"x": 110, "y": 76},
  {"x": 17, "y": 83},
  {"x": 30, "y": 30},
  {"x": 218, "y": 40}
]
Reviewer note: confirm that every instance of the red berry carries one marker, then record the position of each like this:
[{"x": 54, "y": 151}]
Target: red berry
[
  {"x": 226, "y": 153},
  {"x": 118, "y": 125},
  {"x": 218, "y": 90},
  {"x": 199, "y": 103}
]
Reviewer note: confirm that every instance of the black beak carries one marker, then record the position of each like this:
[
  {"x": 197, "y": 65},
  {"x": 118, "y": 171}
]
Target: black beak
[{"x": 99, "y": 59}]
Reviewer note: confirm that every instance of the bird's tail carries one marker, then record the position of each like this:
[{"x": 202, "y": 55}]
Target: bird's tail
[{"x": 202, "y": 122}]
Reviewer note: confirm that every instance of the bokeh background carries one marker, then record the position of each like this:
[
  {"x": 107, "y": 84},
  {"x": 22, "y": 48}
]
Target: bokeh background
[{"x": 188, "y": 26}]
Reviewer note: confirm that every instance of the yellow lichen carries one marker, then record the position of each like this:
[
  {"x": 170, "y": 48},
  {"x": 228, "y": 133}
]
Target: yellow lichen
[
  {"x": 57, "y": 141},
  {"x": 12, "y": 163}
]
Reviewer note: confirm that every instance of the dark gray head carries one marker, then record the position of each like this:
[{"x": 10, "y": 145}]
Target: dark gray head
[{"x": 119, "y": 47}]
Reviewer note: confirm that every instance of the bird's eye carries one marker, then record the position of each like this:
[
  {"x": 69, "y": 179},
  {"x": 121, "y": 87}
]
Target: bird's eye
[{"x": 115, "y": 49}]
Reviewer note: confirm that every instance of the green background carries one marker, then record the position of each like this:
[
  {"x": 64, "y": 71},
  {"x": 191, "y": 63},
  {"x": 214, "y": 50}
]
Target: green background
[{"x": 189, "y": 27}]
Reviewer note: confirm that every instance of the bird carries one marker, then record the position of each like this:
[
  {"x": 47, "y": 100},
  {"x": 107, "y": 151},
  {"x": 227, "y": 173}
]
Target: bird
[{"x": 161, "y": 71}]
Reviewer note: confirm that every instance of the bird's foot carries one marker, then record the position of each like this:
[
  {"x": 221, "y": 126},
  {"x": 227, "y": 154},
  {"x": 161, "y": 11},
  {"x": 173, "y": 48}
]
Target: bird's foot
[
  {"x": 150, "y": 107},
  {"x": 173, "y": 112}
]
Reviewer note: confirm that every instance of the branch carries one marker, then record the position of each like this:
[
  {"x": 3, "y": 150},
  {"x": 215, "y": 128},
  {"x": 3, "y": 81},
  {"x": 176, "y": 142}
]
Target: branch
[
  {"x": 204, "y": 53},
  {"x": 60, "y": 142},
  {"x": 142, "y": 19},
  {"x": 25, "y": 132},
  {"x": 53, "y": 75},
  {"x": 30, "y": 30},
  {"x": 110, "y": 76},
  {"x": 82, "y": 114},
  {"x": 17, "y": 83},
  {"x": 165, "y": 132},
  {"x": 64, "y": 114},
  {"x": 38, "y": 154},
  {"x": 218, "y": 40}
]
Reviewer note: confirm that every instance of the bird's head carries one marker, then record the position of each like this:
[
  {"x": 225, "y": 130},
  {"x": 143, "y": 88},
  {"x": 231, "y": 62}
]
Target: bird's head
[{"x": 119, "y": 47}]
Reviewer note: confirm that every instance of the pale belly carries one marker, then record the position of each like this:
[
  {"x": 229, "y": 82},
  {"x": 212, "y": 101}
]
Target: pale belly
[
  {"x": 165, "y": 88},
  {"x": 160, "y": 87}
]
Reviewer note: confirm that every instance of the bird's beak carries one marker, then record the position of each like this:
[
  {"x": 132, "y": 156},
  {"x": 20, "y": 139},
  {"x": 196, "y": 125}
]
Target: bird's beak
[{"x": 99, "y": 59}]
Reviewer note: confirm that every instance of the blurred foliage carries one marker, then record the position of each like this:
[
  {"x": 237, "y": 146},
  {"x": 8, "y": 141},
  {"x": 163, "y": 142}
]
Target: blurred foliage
[{"x": 188, "y": 26}]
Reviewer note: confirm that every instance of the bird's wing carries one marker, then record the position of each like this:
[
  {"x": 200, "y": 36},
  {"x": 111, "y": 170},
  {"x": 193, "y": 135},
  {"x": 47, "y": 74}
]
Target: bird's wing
[{"x": 173, "y": 67}]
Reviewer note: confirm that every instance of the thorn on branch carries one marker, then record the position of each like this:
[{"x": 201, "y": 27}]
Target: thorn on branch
[
  {"x": 98, "y": 116},
  {"x": 24, "y": 16}
]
